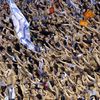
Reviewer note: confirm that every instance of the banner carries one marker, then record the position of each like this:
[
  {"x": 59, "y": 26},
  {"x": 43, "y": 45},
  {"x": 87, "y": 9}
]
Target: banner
[{"x": 21, "y": 25}]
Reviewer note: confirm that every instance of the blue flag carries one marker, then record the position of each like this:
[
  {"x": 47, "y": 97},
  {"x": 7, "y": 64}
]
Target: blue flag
[
  {"x": 73, "y": 5},
  {"x": 93, "y": 2},
  {"x": 21, "y": 26}
]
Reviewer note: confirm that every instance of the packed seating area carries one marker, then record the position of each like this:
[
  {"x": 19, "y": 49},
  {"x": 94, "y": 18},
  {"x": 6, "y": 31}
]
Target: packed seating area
[{"x": 66, "y": 64}]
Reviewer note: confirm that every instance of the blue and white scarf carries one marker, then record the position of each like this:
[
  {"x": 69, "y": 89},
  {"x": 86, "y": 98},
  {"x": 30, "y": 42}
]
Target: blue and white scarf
[{"x": 21, "y": 25}]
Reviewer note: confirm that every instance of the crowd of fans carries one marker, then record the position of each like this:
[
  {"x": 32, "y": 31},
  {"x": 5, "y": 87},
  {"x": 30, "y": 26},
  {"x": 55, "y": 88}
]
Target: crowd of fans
[{"x": 67, "y": 65}]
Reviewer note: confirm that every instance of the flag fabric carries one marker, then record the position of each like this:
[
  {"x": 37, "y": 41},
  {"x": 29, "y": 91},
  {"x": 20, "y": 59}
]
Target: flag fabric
[
  {"x": 10, "y": 93},
  {"x": 21, "y": 26},
  {"x": 73, "y": 5},
  {"x": 93, "y": 2}
]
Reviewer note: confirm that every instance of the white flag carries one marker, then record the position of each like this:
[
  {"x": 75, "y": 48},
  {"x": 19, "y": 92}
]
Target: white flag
[{"x": 21, "y": 25}]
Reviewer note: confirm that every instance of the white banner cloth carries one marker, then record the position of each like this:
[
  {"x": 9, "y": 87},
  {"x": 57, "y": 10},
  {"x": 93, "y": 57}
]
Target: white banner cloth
[{"x": 21, "y": 25}]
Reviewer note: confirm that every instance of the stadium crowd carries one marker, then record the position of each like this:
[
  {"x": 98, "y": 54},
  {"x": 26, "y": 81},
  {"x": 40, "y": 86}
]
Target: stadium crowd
[{"x": 67, "y": 65}]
